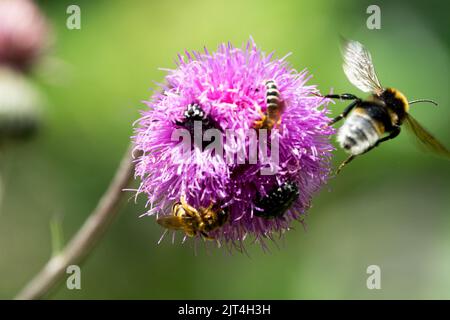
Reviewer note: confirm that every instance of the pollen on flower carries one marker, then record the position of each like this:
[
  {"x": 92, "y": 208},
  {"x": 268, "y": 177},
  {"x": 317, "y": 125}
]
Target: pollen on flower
[{"x": 188, "y": 186}]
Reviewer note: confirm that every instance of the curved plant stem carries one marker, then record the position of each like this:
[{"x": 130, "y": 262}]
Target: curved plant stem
[{"x": 86, "y": 238}]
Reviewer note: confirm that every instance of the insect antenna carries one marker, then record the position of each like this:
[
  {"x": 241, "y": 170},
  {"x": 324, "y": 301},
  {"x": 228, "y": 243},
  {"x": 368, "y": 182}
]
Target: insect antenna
[{"x": 423, "y": 100}]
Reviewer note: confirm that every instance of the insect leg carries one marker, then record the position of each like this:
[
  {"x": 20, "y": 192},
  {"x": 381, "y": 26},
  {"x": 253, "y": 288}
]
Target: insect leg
[
  {"x": 261, "y": 122},
  {"x": 345, "y": 162},
  {"x": 344, "y": 96},
  {"x": 392, "y": 135},
  {"x": 206, "y": 236},
  {"x": 345, "y": 112},
  {"x": 189, "y": 209},
  {"x": 211, "y": 205}
]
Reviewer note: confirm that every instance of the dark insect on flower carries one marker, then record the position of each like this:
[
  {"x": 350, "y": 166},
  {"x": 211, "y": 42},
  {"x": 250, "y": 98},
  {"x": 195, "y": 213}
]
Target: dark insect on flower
[
  {"x": 277, "y": 201},
  {"x": 195, "y": 113}
]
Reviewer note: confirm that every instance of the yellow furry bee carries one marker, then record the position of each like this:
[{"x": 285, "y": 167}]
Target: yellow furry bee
[{"x": 192, "y": 221}]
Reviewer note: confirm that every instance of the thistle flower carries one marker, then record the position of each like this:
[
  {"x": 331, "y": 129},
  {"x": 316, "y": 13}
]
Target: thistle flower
[
  {"x": 24, "y": 33},
  {"x": 226, "y": 91}
]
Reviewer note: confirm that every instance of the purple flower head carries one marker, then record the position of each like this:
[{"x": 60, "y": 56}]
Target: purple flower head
[
  {"x": 227, "y": 92},
  {"x": 24, "y": 33}
]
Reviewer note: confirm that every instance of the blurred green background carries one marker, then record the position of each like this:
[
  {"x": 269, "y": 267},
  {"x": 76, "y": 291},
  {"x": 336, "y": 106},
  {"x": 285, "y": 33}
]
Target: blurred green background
[{"x": 389, "y": 208}]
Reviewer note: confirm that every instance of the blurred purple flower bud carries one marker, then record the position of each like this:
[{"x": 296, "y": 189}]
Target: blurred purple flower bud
[{"x": 24, "y": 33}]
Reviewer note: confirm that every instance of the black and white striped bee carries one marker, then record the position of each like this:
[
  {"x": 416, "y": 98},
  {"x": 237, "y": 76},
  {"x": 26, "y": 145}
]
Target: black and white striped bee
[
  {"x": 193, "y": 113},
  {"x": 275, "y": 106},
  {"x": 378, "y": 118}
]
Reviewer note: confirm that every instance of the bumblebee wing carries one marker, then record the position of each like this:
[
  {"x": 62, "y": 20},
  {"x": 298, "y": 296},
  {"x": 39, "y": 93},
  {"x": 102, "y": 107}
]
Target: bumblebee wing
[
  {"x": 358, "y": 67},
  {"x": 172, "y": 222},
  {"x": 425, "y": 138}
]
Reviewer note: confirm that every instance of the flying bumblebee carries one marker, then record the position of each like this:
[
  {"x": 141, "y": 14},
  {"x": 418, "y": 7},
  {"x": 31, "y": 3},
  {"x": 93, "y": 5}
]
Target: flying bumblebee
[
  {"x": 275, "y": 106},
  {"x": 377, "y": 119},
  {"x": 192, "y": 221}
]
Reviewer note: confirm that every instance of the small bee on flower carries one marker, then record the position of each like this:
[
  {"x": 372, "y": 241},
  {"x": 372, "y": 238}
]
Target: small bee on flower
[{"x": 275, "y": 106}]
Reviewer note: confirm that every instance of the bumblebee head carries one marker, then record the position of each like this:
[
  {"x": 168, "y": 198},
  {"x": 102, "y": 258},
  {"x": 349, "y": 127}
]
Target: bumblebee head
[
  {"x": 399, "y": 99},
  {"x": 396, "y": 99}
]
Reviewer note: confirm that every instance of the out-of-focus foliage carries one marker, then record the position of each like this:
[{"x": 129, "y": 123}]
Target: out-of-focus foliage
[{"x": 389, "y": 208}]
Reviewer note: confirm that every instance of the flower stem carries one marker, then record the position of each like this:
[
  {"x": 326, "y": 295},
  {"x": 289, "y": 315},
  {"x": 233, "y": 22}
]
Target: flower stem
[{"x": 87, "y": 236}]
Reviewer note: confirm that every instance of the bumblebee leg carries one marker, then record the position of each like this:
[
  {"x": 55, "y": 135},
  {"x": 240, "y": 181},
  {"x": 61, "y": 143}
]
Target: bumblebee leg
[
  {"x": 344, "y": 163},
  {"x": 345, "y": 112},
  {"x": 344, "y": 96},
  {"x": 392, "y": 135}
]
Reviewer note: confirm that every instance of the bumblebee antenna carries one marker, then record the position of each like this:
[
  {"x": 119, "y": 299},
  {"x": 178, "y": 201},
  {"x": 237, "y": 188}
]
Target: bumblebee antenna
[{"x": 423, "y": 100}]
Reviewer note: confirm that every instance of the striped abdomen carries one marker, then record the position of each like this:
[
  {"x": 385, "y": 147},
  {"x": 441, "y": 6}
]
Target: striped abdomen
[
  {"x": 274, "y": 106},
  {"x": 273, "y": 99},
  {"x": 359, "y": 132}
]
